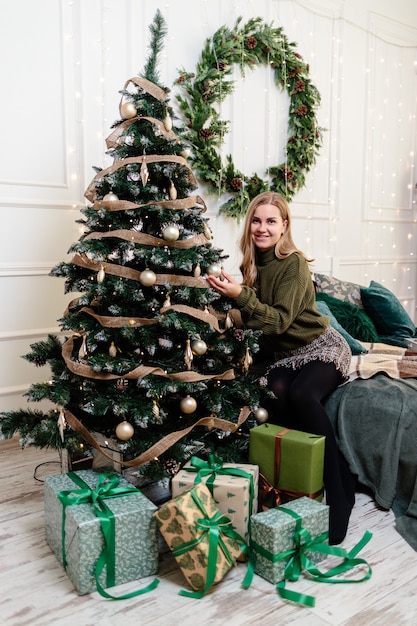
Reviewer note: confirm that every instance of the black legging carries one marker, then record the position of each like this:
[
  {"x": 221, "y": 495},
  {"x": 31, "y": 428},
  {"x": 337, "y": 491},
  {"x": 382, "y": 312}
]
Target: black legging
[{"x": 299, "y": 405}]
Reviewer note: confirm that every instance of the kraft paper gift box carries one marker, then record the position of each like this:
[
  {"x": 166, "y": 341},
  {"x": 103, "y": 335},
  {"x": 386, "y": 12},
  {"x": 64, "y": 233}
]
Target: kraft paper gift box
[
  {"x": 185, "y": 523},
  {"x": 135, "y": 535},
  {"x": 290, "y": 460},
  {"x": 273, "y": 533},
  {"x": 234, "y": 487}
]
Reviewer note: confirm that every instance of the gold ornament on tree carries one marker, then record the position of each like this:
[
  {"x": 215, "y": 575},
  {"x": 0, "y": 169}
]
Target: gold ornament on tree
[
  {"x": 247, "y": 361},
  {"x": 101, "y": 274},
  {"x": 167, "y": 302},
  {"x": 199, "y": 347},
  {"x": 147, "y": 278},
  {"x": 214, "y": 270},
  {"x": 128, "y": 110},
  {"x": 112, "y": 350},
  {"x": 171, "y": 232},
  {"x": 188, "y": 405},
  {"x": 82, "y": 352},
  {"x": 228, "y": 322},
  {"x": 172, "y": 191},
  {"x": 110, "y": 197},
  {"x": 144, "y": 172},
  {"x": 261, "y": 415},
  {"x": 168, "y": 122},
  {"x": 155, "y": 409},
  {"x": 188, "y": 355},
  {"x": 197, "y": 271},
  {"x": 124, "y": 431},
  {"x": 207, "y": 232},
  {"x": 61, "y": 424}
]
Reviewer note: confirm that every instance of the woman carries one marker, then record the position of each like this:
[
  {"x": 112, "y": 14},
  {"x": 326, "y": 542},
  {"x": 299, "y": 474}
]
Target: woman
[{"x": 307, "y": 358}]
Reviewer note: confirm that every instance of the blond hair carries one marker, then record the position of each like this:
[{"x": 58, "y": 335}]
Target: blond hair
[{"x": 284, "y": 247}]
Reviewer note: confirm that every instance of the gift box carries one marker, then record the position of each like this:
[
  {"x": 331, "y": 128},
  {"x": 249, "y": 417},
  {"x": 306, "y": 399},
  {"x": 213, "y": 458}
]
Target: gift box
[
  {"x": 74, "y": 531},
  {"x": 201, "y": 538},
  {"x": 277, "y": 534},
  {"x": 234, "y": 487},
  {"x": 290, "y": 460}
]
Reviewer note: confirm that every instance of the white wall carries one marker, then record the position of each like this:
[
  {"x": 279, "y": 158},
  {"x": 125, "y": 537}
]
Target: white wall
[{"x": 63, "y": 64}]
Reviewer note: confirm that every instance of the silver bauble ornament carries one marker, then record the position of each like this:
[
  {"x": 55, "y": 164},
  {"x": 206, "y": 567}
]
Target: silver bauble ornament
[
  {"x": 147, "y": 278},
  {"x": 171, "y": 233},
  {"x": 199, "y": 347},
  {"x": 214, "y": 270},
  {"x": 188, "y": 405},
  {"x": 128, "y": 110},
  {"x": 124, "y": 431},
  {"x": 261, "y": 415},
  {"x": 110, "y": 197}
]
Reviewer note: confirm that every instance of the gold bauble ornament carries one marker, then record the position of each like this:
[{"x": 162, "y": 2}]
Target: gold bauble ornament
[
  {"x": 128, "y": 110},
  {"x": 147, "y": 278},
  {"x": 188, "y": 405},
  {"x": 171, "y": 233},
  {"x": 124, "y": 431},
  {"x": 185, "y": 153},
  {"x": 199, "y": 347},
  {"x": 110, "y": 197},
  {"x": 261, "y": 415},
  {"x": 214, "y": 270}
]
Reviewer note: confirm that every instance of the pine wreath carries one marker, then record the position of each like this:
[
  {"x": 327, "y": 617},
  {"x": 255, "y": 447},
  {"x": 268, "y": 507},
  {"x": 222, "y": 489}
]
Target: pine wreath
[{"x": 252, "y": 44}]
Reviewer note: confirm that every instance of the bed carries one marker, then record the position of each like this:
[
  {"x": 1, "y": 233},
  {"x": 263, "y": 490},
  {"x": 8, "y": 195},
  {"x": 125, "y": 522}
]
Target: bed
[{"x": 374, "y": 414}]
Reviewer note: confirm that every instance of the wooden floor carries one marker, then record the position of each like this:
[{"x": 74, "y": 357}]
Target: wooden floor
[{"x": 35, "y": 591}]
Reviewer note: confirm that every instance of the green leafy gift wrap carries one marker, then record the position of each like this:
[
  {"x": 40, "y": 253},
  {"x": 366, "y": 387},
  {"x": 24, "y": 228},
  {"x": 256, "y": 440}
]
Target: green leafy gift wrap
[
  {"x": 201, "y": 538},
  {"x": 75, "y": 534},
  {"x": 234, "y": 487},
  {"x": 290, "y": 460},
  {"x": 273, "y": 533}
]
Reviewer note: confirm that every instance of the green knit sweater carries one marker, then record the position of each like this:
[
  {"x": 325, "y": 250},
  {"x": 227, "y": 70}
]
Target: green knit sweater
[{"x": 282, "y": 303}]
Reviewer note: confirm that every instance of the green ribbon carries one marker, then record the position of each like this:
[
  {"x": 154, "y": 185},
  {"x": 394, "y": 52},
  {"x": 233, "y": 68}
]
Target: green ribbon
[
  {"x": 298, "y": 561},
  {"x": 214, "y": 467},
  {"x": 107, "y": 487},
  {"x": 211, "y": 530}
]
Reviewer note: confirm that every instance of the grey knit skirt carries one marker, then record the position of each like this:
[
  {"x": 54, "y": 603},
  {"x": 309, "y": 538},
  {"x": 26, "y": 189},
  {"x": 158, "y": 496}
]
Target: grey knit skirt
[{"x": 329, "y": 347}]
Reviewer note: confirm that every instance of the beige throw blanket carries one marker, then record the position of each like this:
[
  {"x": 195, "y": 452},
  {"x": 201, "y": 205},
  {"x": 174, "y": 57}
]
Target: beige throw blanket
[{"x": 393, "y": 361}]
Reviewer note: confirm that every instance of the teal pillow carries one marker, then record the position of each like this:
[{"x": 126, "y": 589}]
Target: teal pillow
[
  {"x": 355, "y": 346},
  {"x": 353, "y": 319},
  {"x": 386, "y": 311}
]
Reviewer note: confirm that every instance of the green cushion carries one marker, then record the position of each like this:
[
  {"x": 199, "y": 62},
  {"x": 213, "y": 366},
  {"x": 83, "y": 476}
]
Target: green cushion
[
  {"x": 386, "y": 311},
  {"x": 353, "y": 319},
  {"x": 355, "y": 346}
]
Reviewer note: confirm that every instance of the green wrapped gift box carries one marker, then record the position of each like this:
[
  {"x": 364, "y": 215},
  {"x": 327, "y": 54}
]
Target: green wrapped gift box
[
  {"x": 273, "y": 533},
  {"x": 290, "y": 460},
  {"x": 135, "y": 535}
]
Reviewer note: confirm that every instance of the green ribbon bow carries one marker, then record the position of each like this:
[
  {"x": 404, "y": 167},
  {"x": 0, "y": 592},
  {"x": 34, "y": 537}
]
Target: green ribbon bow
[
  {"x": 212, "y": 528},
  {"x": 107, "y": 487},
  {"x": 298, "y": 561},
  {"x": 214, "y": 467}
]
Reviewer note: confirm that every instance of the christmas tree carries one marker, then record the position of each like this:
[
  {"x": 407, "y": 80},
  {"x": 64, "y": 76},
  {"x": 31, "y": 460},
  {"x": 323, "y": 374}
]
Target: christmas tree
[{"x": 152, "y": 359}]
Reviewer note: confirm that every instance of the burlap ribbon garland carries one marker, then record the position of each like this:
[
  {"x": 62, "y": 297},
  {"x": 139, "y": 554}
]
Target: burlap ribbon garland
[
  {"x": 151, "y": 88},
  {"x": 163, "y": 444},
  {"x": 113, "y": 139},
  {"x": 82, "y": 369},
  {"x": 149, "y": 240},
  {"x": 90, "y": 192},
  {"x": 127, "y": 205},
  {"x": 122, "y": 271}
]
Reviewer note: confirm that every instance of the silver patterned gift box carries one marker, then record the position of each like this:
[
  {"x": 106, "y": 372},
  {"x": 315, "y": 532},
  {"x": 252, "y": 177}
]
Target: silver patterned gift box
[
  {"x": 136, "y": 533},
  {"x": 273, "y": 533}
]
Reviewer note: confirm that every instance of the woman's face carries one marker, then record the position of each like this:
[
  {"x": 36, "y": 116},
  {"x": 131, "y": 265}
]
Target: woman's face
[{"x": 267, "y": 226}]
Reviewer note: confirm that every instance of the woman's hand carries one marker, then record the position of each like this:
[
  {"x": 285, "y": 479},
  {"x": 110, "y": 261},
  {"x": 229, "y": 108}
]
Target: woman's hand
[{"x": 226, "y": 285}]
